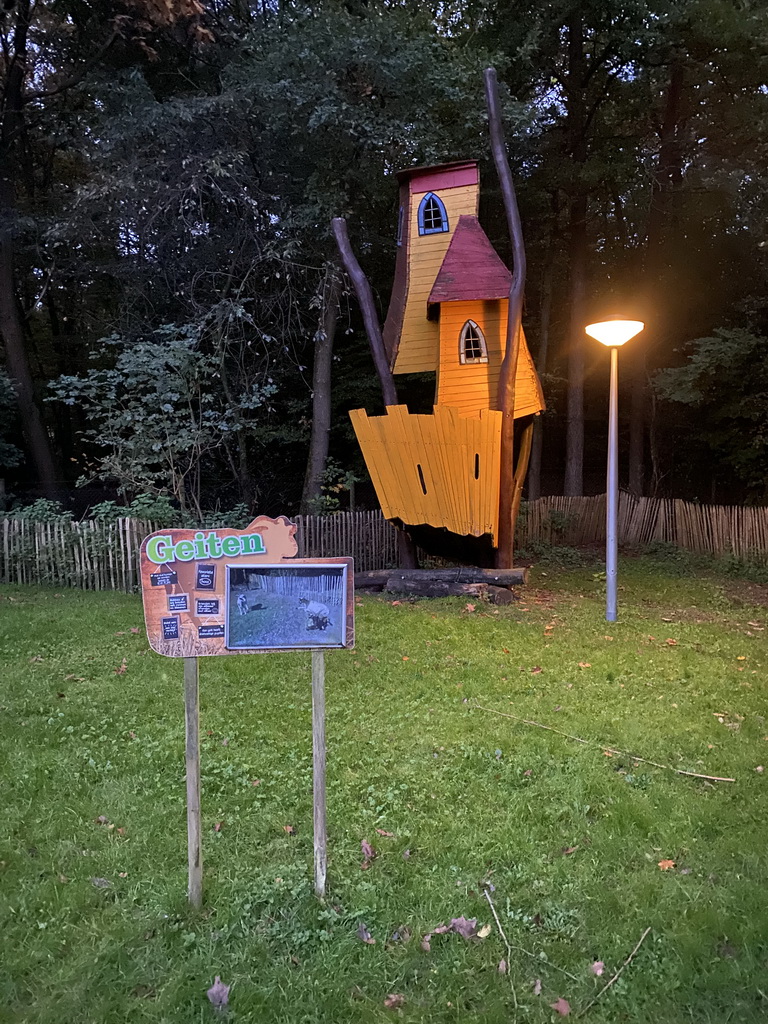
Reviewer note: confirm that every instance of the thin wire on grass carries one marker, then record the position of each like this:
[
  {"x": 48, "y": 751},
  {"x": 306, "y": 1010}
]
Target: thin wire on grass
[
  {"x": 625, "y": 964},
  {"x": 526, "y": 952},
  {"x": 602, "y": 746}
]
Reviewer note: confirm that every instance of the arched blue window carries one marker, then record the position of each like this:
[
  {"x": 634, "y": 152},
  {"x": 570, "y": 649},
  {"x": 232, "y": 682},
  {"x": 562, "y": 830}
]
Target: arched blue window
[{"x": 432, "y": 215}]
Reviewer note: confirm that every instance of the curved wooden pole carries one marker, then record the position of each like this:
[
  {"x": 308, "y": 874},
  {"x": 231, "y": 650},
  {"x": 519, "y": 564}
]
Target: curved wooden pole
[
  {"x": 368, "y": 308},
  {"x": 406, "y": 547},
  {"x": 506, "y": 394}
]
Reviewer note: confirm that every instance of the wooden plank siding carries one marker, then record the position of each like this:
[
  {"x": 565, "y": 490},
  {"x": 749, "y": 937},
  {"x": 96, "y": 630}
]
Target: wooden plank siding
[
  {"x": 447, "y": 448},
  {"x": 470, "y": 387},
  {"x": 418, "y": 348}
]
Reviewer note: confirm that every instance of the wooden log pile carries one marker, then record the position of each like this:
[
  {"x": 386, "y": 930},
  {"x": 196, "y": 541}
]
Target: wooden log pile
[{"x": 493, "y": 585}]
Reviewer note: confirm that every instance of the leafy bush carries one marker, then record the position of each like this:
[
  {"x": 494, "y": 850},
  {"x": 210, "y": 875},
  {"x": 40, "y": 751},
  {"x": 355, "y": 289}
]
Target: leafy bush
[{"x": 42, "y": 510}]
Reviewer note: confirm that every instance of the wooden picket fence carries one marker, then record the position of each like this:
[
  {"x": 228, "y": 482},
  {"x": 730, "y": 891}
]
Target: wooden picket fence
[
  {"x": 716, "y": 530},
  {"x": 96, "y": 555}
]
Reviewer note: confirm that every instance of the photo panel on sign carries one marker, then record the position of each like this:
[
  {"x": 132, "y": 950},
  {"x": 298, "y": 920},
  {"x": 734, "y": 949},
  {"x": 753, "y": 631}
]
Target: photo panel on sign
[{"x": 285, "y": 606}]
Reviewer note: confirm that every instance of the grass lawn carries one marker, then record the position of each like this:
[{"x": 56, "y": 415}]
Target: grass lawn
[{"x": 94, "y": 925}]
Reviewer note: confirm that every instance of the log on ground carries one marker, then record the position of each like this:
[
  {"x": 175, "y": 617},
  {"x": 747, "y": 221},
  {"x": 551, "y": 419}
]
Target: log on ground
[
  {"x": 435, "y": 588},
  {"x": 381, "y": 578}
]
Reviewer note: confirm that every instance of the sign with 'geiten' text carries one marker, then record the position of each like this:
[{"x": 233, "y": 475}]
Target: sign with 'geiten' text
[{"x": 222, "y": 591}]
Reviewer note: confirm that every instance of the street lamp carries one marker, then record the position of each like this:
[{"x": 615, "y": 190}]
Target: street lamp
[{"x": 613, "y": 333}]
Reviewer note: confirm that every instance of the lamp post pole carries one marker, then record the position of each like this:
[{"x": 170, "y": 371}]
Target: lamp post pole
[
  {"x": 613, "y": 333},
  {"x": 612, "y": 493}
]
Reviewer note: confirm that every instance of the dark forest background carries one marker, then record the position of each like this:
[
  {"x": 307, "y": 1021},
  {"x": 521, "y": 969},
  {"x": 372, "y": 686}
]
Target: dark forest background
[{"x": 172, "y": 315}]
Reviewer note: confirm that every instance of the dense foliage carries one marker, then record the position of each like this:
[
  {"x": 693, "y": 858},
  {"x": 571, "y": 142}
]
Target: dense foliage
[{"x": 170, "y": 169}]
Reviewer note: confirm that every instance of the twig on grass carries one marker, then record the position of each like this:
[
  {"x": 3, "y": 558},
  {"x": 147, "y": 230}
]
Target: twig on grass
[
  {"x": 611, "y": 750},
  {"x": 506, "y": 943},
  {"x": 526, "y": 952},
  {"x": 625, "y": 964}
]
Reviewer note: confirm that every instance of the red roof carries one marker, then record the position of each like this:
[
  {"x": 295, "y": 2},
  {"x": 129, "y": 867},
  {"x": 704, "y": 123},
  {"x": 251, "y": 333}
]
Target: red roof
[{"x": 472, "y": 269}]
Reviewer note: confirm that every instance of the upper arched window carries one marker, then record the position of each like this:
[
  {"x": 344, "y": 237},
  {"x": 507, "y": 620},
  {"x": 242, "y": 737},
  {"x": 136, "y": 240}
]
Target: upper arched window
[
  {"x": 432, "y": 215},
  {"x": 472, "y": 347}
]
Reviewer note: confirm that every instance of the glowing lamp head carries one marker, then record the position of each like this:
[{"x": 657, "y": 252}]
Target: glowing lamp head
[{"x": 615, "y": 331}]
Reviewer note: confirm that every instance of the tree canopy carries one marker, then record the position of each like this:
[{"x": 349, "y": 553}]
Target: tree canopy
[{"x": 169, "y": 170}]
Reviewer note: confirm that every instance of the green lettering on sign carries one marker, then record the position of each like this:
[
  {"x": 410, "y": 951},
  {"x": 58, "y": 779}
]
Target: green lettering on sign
[{"x": 162, "y": 549}]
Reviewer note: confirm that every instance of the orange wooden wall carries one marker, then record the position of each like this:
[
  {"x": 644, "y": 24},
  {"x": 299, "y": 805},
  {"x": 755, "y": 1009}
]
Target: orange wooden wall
[
  {"x": 470, "y": 387},
  {"x": 418, "y": 350},
  {"x": 459, "y": 460}
]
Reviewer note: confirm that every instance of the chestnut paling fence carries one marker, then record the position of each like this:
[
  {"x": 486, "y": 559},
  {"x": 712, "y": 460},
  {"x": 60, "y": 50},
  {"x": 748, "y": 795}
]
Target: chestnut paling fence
[{"x": 98, "y": 555}]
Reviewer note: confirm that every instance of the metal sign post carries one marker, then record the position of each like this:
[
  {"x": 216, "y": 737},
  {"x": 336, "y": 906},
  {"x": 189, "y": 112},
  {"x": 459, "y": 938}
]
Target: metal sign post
[
  {"x": 194, "y": 826},
  {"x": 318, "y": 770}
]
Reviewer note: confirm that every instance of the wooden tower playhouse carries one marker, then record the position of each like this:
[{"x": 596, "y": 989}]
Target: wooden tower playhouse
[{"x": 448, "y": 315}]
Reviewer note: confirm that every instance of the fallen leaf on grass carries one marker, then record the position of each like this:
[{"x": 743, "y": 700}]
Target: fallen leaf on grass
[
  {"x": 585, "y": 664},
  {"x": 387, "y": 835},
  {"x": 122, "y": 874},
  {"x": 741, "y": 657},
  {"x": 567, "y": 850},
  {"x": 122, "y": 668},
  {"x": 406, "y": 854},
  {"x": 597, "y": 968},
  {"x": 484, "y": 932},
  {"x": 135, "y": 629},
  {"x": 466, "y": 927},
  {"x": 528, "y": 772},
  {"x": 561, "y": 1006},
  {"x": 470, "y": 607},
  {"x": 760, "y": 769},
  {"x": 537, "y": 987},
  {"x": 290, "y": 829},
  {"x": 365, "y": 936},
  {"x": 368, "y": 853},
  {"x": 393, "y": 603},
  {"x": 218, "y": 994},
  {"x": 37, "y": 657},
  {"x": 255, "y": 782},
  {"x": 536, "y": 670},
  {"x": 394, "y": 1001},
  {"x": 218, "y": 826},
  {"x": 672, "y": 643},
  {"x": 502, "y": 968},
  {"x": 406, "y": 658},
  {"x": 665, "y": 865}
]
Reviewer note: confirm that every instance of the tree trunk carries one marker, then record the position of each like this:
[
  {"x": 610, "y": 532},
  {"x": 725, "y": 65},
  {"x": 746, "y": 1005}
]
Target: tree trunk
[
  {"x": 576, "y": 126},
  {"x": 321, "y": 393},
  {"x": 666, "y": 180},
  {"x": 537, "y": 444},
  {"x": 574, "y": 441},
  {"x": 11, "y": 326}
]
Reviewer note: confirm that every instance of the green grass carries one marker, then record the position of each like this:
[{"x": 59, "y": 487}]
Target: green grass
[{"x": 476, "y": 798}]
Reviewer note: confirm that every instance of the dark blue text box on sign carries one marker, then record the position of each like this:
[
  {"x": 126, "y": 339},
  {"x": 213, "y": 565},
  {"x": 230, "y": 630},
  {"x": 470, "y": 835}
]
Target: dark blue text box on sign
[
  {"x": 170, "y": 628},
  {"x": 207, "y": 632},
  {"x": 163, "y": 579},
  {"x": 206, "y": 577}
]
